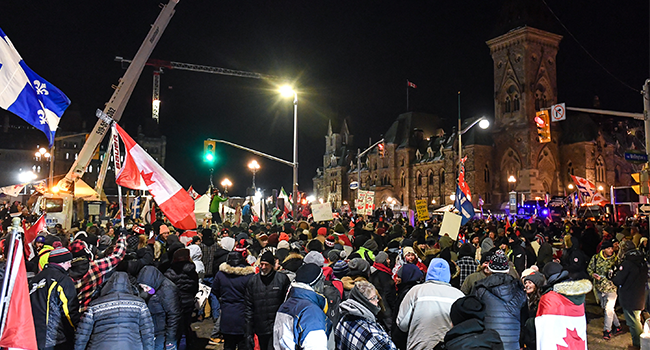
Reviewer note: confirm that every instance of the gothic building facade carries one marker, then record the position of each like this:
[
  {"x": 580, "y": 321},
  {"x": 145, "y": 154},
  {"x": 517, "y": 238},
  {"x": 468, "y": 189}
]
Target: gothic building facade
[{"x": 420, "y": 159}]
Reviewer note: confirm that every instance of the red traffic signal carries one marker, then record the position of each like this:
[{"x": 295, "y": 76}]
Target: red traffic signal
[{"x": 380, "y": 149}]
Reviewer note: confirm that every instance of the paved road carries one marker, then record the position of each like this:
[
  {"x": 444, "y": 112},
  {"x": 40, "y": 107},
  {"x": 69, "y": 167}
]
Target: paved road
[{"x": 594, "y": 330}]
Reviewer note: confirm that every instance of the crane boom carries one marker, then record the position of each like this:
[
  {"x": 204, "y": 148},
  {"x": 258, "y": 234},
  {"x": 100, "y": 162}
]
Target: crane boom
[{"x": 115, "y": 106}]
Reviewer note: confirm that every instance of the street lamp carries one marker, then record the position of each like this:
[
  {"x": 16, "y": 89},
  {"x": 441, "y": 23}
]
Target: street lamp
[
  {"x": 226, "y": 183},
  {"x": 511, "y": 181},
  {"x": 288, "y": 91},
  {"x": 570, "y": 186},
  {"x": 254, "y": 167},
  {"x": 43, "y": 153},
  {"x": 600, "y": 188},
  {"x": 26, "y": 176},
  {"x": 483, "y": 123}
]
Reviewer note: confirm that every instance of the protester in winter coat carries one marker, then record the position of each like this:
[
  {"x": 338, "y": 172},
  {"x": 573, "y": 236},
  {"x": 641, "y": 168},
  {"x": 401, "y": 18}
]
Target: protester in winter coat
[
  {"x": 196, "y": 255},
  {"x": 561, "y": 308},
  {"x": 601, "y": 268},
  {"x": 406, "y": 278},
  {"x": 504, "y": 297},
  {"x": 182, "y": 273},
  {"x": 55, "y": 306},
  {"x": 230, "y": 287},
  {"x": 424, "y": 312},
  {"x": 265, "y": 292},
  {"x": 358, "y": 328},
  {"x": 631, "y": 279},
  {"x": 466, "y": 262},
  {"x": 469, "y": 332},
  {"x": 382, "y": 279},
  {"x": 533, "y": 282},
  {"x": 483, "y": 272},
  {"x": 162, "y": 298},
  {"x": 359, "y": 271},
  {"x": 118, "y": 319},
  {"x": 301, "y": 323}
]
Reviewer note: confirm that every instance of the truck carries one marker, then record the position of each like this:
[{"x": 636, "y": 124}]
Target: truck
[{"x": 63, "y": 204}]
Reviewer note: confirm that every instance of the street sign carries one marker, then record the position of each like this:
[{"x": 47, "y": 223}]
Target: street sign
[
  {"x": 644, "y": 209},
  {"x": 558, "y": 112},
  {"x": 634, "y": 156},
  {"x": 354, "y": 185}
]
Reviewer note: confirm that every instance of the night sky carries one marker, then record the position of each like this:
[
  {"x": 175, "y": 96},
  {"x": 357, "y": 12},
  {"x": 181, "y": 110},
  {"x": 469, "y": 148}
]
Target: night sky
[{"x": 350, "y": 60}]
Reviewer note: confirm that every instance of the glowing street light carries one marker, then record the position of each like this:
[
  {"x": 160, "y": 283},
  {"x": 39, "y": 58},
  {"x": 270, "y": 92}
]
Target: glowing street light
[
  {"x": 254, "y": 166},
  {"x": 226, "y": 183},
  {"x": 452, "y": 197},
  {"x": 600, "y": 188},
  {"x": 26, "y": 176},
  {"x": 570, "y": 186},
  {"x": 288, "y": 91}
]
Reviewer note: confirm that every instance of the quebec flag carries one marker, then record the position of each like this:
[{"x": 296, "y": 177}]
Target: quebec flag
[
  {"x": 464, "y": 206},
  {"x": 26, "y": 94}
]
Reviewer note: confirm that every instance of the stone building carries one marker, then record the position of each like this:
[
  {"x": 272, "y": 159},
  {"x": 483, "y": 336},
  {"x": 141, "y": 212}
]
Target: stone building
[{"x": 421, "y": 162}]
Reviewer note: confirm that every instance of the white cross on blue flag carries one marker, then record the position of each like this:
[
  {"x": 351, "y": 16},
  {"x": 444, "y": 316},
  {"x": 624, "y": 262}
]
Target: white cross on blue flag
[
  {"x": 464, "y": 206},
  {"x": 26, "y": 94}
]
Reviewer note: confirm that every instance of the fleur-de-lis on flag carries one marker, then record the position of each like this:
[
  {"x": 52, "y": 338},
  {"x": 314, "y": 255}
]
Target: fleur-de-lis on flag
[{"x": 41, "y": 88}]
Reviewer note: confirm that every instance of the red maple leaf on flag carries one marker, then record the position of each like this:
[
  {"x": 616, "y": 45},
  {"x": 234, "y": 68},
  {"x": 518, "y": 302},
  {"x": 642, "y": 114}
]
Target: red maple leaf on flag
[
  {"x": 573, "y": 341},
  {"x": 147, "y": 178}
]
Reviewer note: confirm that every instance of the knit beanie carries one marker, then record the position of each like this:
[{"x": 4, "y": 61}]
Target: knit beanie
[
  {"x": 284, "y": 244},
  {"x": 284, "y": 237},
  {"x": 330, "y": 241},
  {"x": 340, "y": 269},
  {"x": 359, "y": 267},
  {"x": 182, "y": 254},
  {"x": 163, "y": 229},
  {"x": 60, "y": 255},
  {"x": 309, "y": 274},
  {"x": 371, "y": 245},
  {"x": 314, "y": 257},
  {"x": 409, "y": 273},
  {"x": 333, "y": 255},
  {"x": 315, "y": 245},
  {"x": 268, "y": 257},
  {"x": 536, "y": 277},
  {"x": 467, "y": 308},
  {"x": 607, "y": 244},
  {"x": 322, "y": 231},
  {"x": 381, "y": 257},
  {"x": 499, "y": 262}
]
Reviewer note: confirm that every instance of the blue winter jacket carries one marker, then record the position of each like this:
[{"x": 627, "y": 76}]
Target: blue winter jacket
[
  {"x": 118, "y": 319},
  {"x": 504, "y": 296},
  {"x": 164, "y": 305},
  {"x": 301, "y": 321},
  {"x": 229, "y": 286}
]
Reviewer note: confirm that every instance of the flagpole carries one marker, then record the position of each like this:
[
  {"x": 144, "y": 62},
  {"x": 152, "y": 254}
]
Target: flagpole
[
  {"x": 10, "y": 276},
  {"x": 407, "y": 95}
]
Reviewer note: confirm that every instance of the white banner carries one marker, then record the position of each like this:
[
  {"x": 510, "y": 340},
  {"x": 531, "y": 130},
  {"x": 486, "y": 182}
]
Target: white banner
[{"x": 322, "y": 212}]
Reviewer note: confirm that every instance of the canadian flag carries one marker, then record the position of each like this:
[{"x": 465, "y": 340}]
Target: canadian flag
[
  {"x": 141, "y": 172},
  {"x": 195, "y": 195},
  {"x": 560, "y": 324},
  {"x": 598, "y": 199}
]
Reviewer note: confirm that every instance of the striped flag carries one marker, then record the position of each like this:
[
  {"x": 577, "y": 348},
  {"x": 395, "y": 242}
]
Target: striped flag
[
  {"x": 585, "y": 187},
  {"x": 410, "y": 84}
]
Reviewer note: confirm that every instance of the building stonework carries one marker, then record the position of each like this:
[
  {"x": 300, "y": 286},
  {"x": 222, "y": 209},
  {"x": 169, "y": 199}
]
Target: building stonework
[{"x": 421, "y": 160}]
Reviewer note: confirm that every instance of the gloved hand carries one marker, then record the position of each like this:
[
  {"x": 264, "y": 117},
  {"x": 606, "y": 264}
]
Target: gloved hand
[{"x": 170, "y": 346}]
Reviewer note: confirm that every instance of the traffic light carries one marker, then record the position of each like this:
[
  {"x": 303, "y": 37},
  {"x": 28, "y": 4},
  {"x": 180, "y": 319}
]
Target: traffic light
[
  {"x": 381, "y": 150},
  {"x": 542, "y": 121},
  {"x": 209, "y": 153},
  {"x": 642, "y": 178}
]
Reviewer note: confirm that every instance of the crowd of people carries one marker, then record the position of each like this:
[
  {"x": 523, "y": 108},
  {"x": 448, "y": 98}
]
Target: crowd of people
[{"x": 351, "y": 283}]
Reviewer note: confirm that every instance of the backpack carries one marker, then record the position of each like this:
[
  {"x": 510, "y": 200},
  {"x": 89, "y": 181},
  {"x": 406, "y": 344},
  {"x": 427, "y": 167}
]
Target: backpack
[{"x": 333, "y": 297}]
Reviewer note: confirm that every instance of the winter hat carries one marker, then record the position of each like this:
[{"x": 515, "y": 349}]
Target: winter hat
[
  {"x": 322, "y": 231},
  {"x": 407, "y": 250},
  {"x": 309, "y": 274},
  {"x": 409, "y": 273},
  {"x": 268, "y": 257},
  {"x": 359, "y": 267},
  {"x": 466, "y": 250},
  {"x": 59, "y": 255},
  {"x": 499, "y": 262},
  {"x": 551, "y": 268},
  {"x": 40, "y": 239},
  {"x": 330, "y": 241},
  {"x": 284, "y": 244},
  {"x": 242, "y": 235},
  {"x": 339, "y": 228},
  {"x": 340, "y": 269},
  {"x": 334, "y": 255},
  {"x": 369, "y": 227},
  {"x": 467, "y": 308},
  {"x": 273, "y": 239},
  {"x": 314, "y": 257},
  {"x": 163, "y": 229},
  {"x": 79, "y": 249},
  {"x": 228, "y": 243},
  {"x": 315, "y": 245},
  {"x": 371, "y": 245},
  {"x": 536, "y": 277},
  {"x": 182, "y": 254},
  {"x": 284, "y": 237},
  {"x": 381, "y": 257},
  {"x": 241, "y": 248},
  {"x": 438, "y": 271},
  {"x": 607, "y": 244}
]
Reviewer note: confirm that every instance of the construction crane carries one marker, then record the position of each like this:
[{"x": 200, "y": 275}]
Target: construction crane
[{"x": 160, "y": 64}]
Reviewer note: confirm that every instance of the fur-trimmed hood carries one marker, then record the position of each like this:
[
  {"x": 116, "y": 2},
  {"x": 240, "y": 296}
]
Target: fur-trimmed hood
[
  {"x": 236, "y": 270},
  {"x": 573, "y": 288}
]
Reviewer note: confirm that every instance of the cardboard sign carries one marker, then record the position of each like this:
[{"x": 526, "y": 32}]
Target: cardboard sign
[
  {"x": 422, "y": 208},
  {"x": 535, "y": 246},
  {"x": 450, "y": 225},
  {"x": 322, "y": 212}
]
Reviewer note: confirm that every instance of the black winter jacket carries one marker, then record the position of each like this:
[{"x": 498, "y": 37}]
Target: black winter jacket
[
  {"x": 118, "y": 319},
  {"x": 504, "y": 296},
  {"x": 183, "y": 275},
  {"x": 400, "y": 337},
  {"x": 229, "y": 286},
  {"x": 386, "y": 288},
  {"x": 262, "y": 302},
  {"x": 164, "y": 304},
  {"x": 220, "y": 257},
  {"x": 631, "y": 278},
  {"x": 55, "y": 324},
  {"x": 471, "y": 334}
]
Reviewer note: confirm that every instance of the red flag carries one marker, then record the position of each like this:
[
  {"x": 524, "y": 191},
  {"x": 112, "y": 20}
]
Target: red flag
[
  {"x": 461, "y": 180},
  {"x": 195, "y": 195},
  {"x": 19, "y": 329},
  {"x": 141, "y": 172},
  {"x": 507, "y": 223},
  {"x": 410, "y": 84},
  {"x": 32, "y": 232},
  {"x": 560, "y": 324}
]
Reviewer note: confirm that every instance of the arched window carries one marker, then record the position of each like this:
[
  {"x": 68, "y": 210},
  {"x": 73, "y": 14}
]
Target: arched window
[
  {"x": 506, "y": 105},
  {"x": 515, "y": 103},
  {"x": 419, "y": 178},
  {"x": 486, "y": 174},
  {"x": 442, "y": 176},
  {"x": 402, "y": 162},
  {"x": 569, "y": 168},
  {"x": 600, "y": 169},
  {"x": 402, "y": 179},
  {"x": 617, "y": 174},
  {"x": 401, "y": 198},
  {"x": 430, "y": 177}
]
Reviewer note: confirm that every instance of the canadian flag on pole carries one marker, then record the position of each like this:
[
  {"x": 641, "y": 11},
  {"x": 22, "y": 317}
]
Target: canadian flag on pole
[
  {"x": 141, "y": 172},
  {"x": 560, "y": 324}
]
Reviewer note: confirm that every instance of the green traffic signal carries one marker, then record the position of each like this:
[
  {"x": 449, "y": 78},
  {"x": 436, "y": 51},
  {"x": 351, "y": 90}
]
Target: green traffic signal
[
  {"x": 209, "y": 151},
  {"x": 209, "y": 157}
]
